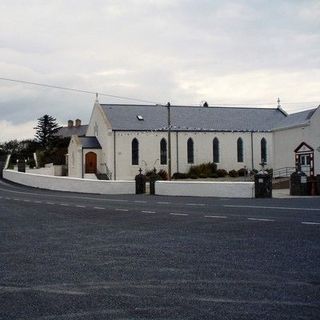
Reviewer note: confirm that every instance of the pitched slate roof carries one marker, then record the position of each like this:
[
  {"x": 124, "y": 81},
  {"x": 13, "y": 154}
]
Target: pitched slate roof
[
  {"x": 66, "y": 132},
  {"x": 184, "y": 118},
  {"x": 89, "y": 143},
  {"x": 296, "y": 119}
]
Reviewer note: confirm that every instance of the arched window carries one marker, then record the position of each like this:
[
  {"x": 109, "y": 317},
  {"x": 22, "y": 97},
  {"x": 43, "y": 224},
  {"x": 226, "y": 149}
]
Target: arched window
[
  {"x": 135, "y": 152},
  {"x": 190, "y": 154},
  {"x": 240, "y": 150},
  {"x": 163, "y": 151},
  {"x": 216, "y": 152},
  {"x": 263, "y": 150}
]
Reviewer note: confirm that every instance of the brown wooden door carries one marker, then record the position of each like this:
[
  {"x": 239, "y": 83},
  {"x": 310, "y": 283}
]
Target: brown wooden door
[{"x": 91, "y": 162}]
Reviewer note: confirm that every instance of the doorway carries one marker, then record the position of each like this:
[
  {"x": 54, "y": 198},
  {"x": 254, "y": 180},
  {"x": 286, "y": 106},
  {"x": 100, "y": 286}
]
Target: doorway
[{"x": 91, "y": 162}]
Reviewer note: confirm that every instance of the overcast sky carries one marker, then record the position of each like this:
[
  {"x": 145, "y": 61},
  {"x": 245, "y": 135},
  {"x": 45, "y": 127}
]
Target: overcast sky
[{"x": 183, "y": 51}]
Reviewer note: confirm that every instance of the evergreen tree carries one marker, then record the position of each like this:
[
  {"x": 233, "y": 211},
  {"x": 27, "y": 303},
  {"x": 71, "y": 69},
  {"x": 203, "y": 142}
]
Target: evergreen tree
[{"x": 46, "y": 130}]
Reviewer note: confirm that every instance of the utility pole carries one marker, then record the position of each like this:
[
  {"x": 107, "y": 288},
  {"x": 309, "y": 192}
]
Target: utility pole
[{"x": 169, "y": 141}]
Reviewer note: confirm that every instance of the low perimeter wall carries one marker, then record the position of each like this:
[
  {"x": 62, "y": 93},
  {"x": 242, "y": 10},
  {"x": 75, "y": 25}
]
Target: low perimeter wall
[
  {"x": 70, "y": 184},
  {"x": 205, "y": 189}
]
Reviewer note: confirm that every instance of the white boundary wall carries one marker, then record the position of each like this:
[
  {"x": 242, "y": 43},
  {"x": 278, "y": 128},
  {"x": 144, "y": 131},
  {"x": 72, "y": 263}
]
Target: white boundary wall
[
  {"x": 70, "y": 184},
  {"x": 205, "y": 189}
]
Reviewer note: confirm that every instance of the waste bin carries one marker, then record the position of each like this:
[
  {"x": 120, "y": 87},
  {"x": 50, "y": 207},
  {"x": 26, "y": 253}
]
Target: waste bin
[
  {"x": 140, "y": 183},
  {"x": 298, "y": 184},
  {"x": 318, "y": 184},
  {"x": 263, "y": 185},
  {"x": 21, "y": 166},
  {"x": 153, "y": 178}
]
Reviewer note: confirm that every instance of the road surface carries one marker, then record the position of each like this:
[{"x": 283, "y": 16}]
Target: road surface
[{"x": 76, "y": 256}]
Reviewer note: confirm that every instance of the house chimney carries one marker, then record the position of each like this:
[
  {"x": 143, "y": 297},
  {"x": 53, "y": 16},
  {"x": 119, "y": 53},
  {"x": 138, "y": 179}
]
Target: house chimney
[
  {"x": 70, "y": 123},
  {"x": 78, "y": 123}
]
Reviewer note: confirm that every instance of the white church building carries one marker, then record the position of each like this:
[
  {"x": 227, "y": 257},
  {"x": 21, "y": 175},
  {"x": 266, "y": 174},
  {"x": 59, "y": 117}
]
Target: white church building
[{"x": 122, "y": 138}]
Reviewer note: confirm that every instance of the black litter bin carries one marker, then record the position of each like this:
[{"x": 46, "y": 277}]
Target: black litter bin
[
  {"x": 21, "y": 166},
  {"x": 318, "y": 184},
  {"x": 153, "y": 178},
  {"x": 263, "y": 185},
  {"x": 298, "y": 184}
]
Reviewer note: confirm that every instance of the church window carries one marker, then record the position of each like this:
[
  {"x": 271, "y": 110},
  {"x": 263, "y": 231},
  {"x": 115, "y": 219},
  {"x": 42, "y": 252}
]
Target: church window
[
  {"x": 135, "y": 151},
  {"x": 240, "y": 150},
  {"x": 216, "y": 151},
  {"x": 190, "y": 153},
  {"x": 163, "y": 151},
  {"x": 263, "y": 150}
]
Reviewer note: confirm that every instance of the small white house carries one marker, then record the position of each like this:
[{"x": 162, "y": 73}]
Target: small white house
[{"x": 120, "y": 139}]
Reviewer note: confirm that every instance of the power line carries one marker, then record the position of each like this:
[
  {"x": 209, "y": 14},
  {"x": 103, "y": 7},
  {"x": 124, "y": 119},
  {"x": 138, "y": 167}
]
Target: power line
[
  {"x": 77, "y": 90},
  {"x": 139, "y": 100}
]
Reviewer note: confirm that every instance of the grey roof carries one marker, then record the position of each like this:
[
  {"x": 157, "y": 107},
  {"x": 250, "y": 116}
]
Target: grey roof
[
  {"x": 296, "y": 119},
  {"x": 184, "y": 118},
  {"x": 89, "y": 143},
  {"x": 66, "y": 132}
]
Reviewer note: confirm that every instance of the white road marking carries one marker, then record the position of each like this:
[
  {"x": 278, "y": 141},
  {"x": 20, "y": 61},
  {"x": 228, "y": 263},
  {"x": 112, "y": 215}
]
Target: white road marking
[
  {"x": 26, "y": 200},
  {"x": 119, "y": 209},
  {"x": 163, "y": 202},
  {"x": 140, "y": 201},
  {"x": 260, "y": 219},
  {"x": 80, "y": 206},
  {"x": 146, "y": 211},
  {"x": 64, "y": 204},
  {"x": 16, "y": 199},
  {"x": 99, "y": 208},
  {"x": 48, "y": 202},
  {"x": 310, "y": 222},
  {"x": 7, "y": 198},
  {"x": 178, "y": 214},
  {"x": 195, "y": 204},
  {"x": 218, "y": 217},
  {"x": 277, "y": 208}
]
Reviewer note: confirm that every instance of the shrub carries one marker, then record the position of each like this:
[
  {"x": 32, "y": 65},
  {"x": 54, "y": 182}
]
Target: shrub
[
  {"x": 163, "y": 174},
  {"x": 179, "y": 175},
  {"x": 243, "y": 172},
  {"x": 233, "y": 173},
  {"x": 160, "y": 175},
  {"x": 255, "y": 171},
  {"x": 193, "y": 176},
  {"x": 213, "y": 175},
  {"x": 204, "y": 169},
  {"x": 221, "y": 173}
]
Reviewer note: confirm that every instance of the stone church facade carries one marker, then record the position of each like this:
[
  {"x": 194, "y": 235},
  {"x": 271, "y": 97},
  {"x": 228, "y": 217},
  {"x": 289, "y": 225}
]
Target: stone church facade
[{"x": 120, "y": 139}]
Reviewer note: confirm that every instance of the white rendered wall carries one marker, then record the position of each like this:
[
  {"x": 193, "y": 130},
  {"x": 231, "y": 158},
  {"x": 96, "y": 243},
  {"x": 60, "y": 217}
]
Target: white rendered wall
[
  {"x": 74, "y": 158},
  {"x": 70, "y": 184},
  {"x": 205, "y": 189},
  {"x": 149, "y": 150},
  {"x": 53, "y": 170},
  {"x": 286, "y": 141},
  {"x": 100, "y": 128}
]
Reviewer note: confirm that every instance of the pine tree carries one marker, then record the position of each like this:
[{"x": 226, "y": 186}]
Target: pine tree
[{"x": 46, "y": 130}]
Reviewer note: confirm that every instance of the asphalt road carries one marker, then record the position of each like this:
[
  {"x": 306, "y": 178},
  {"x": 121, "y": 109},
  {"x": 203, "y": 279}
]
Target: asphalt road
[{"x": 74, "y": 256}]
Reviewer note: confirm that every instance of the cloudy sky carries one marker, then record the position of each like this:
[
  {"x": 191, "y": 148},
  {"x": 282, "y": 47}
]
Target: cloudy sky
[{"x": 182, "y": 51}]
